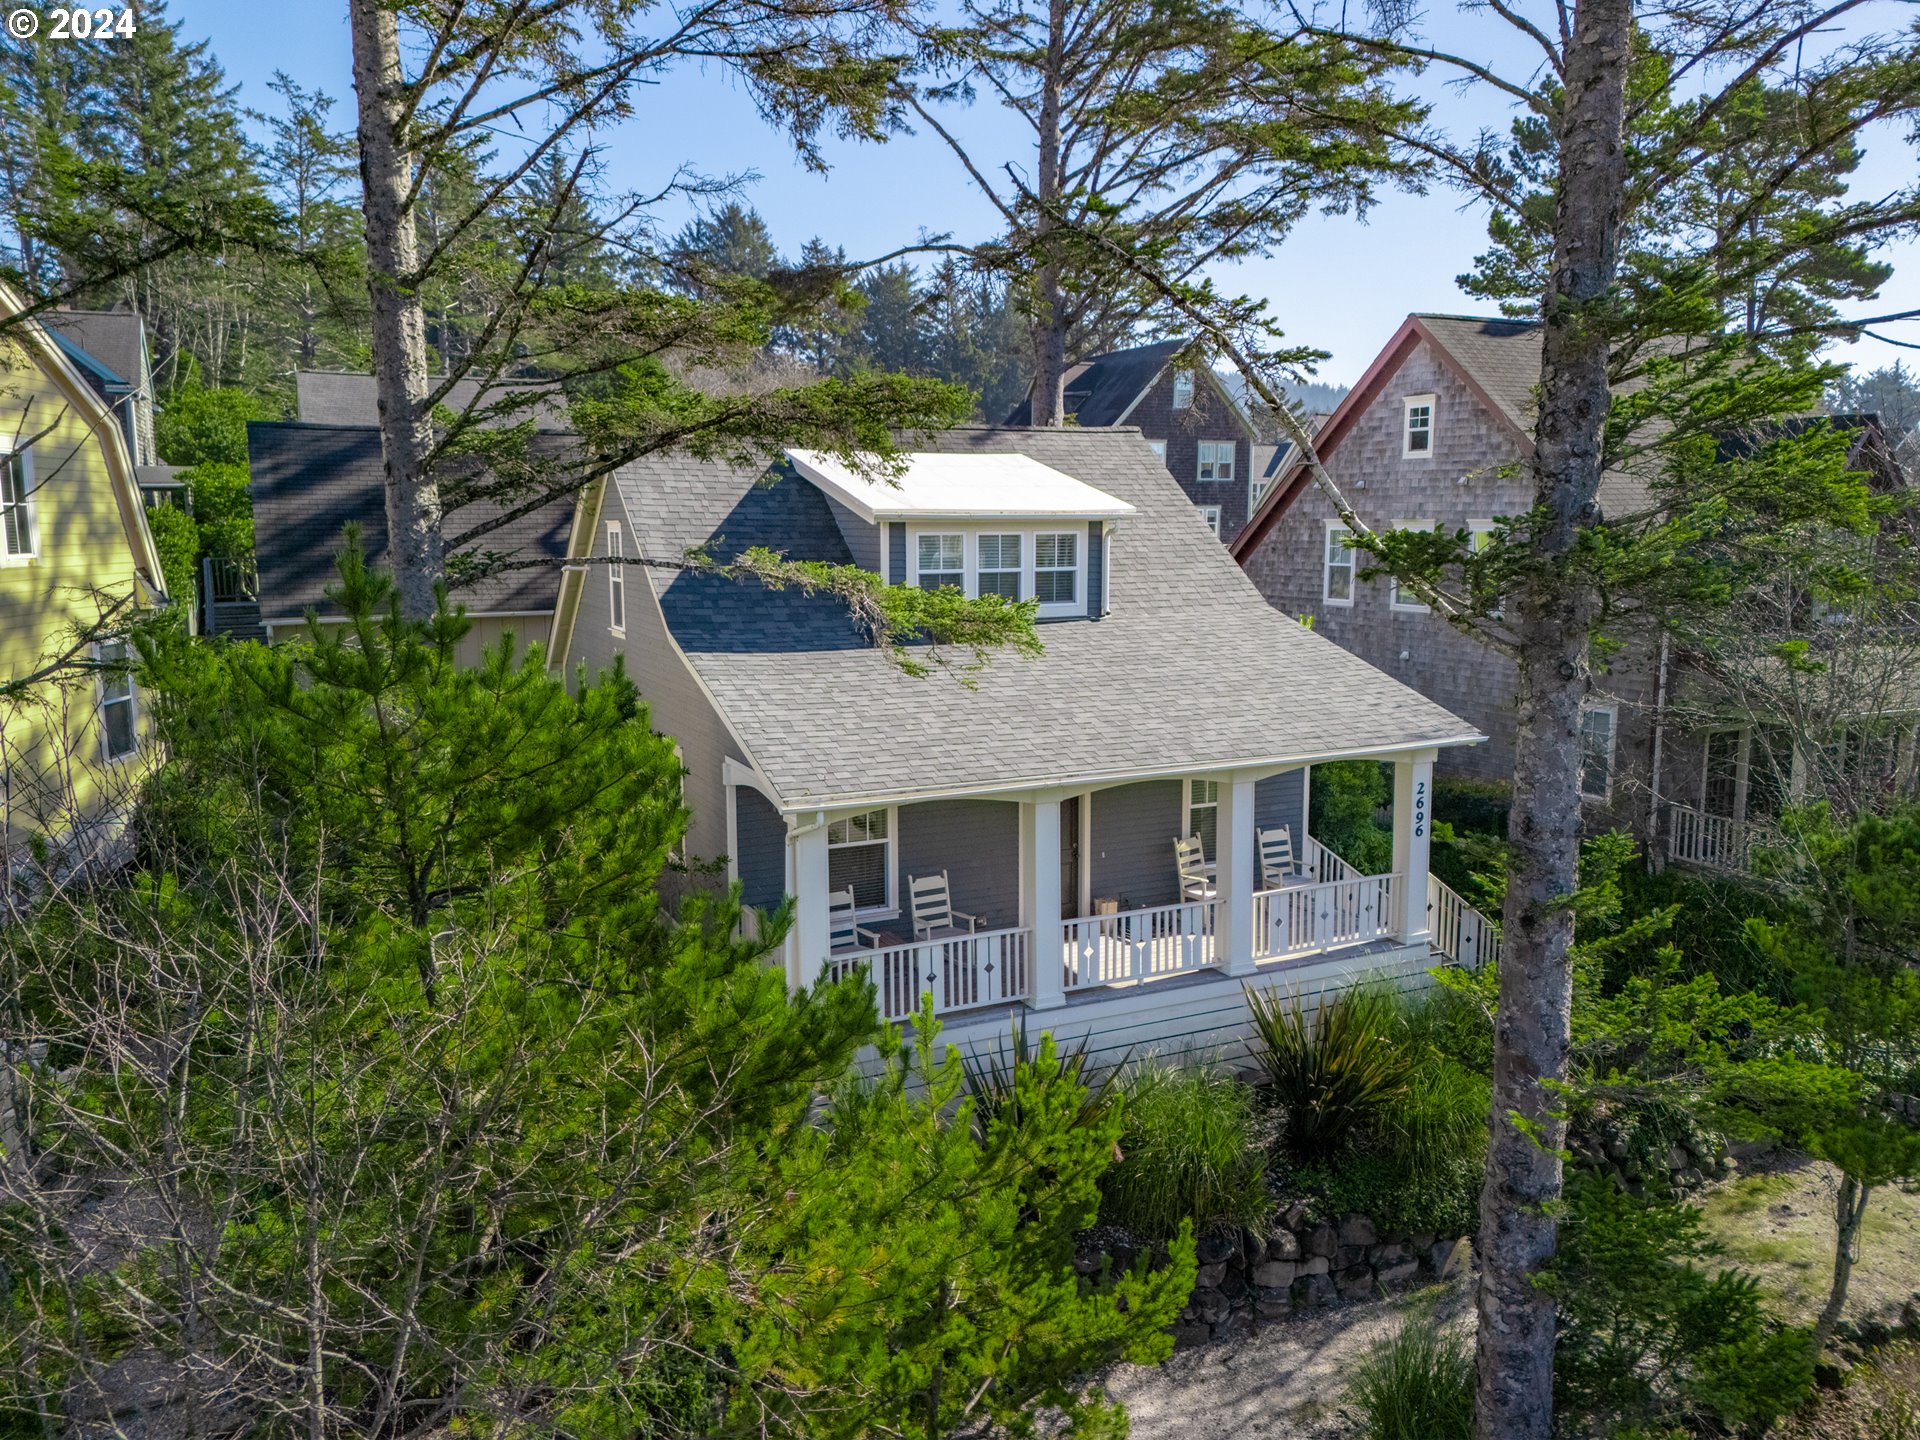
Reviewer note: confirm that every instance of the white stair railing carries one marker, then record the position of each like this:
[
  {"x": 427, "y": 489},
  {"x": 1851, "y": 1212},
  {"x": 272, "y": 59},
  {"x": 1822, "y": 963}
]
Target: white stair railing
[{"x": 1460, "y": 932}]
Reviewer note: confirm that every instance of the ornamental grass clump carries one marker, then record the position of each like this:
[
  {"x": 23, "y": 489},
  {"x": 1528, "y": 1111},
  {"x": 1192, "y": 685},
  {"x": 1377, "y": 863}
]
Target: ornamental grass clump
[
  {"x": 1334, "y": 1073},
  {"x": 1415, "y": 1385},
  {"x": 1190, "y": 1151}
]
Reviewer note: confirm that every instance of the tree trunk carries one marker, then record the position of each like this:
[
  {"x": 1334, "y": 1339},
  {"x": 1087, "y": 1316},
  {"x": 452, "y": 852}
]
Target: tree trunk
[
  {"x": 1048, "y": 330},
  {"x": 1849, "y": 1209},
  {"x": 1553, "y": 626},
  {"x": 398, "y": 324}
]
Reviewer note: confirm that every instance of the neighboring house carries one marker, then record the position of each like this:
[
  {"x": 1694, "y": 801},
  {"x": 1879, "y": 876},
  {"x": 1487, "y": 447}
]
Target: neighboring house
[
  {"x": 1438, "y": 432},
  {"x": 1185, "y": 414},
  {"x": 109, "y": 348},
  {"x": 76, "y": 561},
  {"x": 1044, "y": 799},
  {"x": 309, "y": 482}
]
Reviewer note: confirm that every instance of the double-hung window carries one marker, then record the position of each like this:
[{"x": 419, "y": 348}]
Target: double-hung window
[
  {"x": 1417, "y": 438},
  {"x": 119, "y": 730},
  {"x": 1211, "y": 514},
  {"x": 1159, "y": 447},
  {"x": 1216, "y": 459},
  {"x": 616, "y": 581},
  {"x": 860, "y": 858},
  {"x": 943, "y": 561},
  {"x": 1408, "y": 603},
  {"x": 1183, "y": 389},
  {"x": 1337, "y": 583},
  {"x": 16, "y": 507},
  {"x": 1203, "y": 815},
  {"x": 1596, "y": 751},
  {"x": 1056, "y": 569},
  {"x": 999, "y": 567}
]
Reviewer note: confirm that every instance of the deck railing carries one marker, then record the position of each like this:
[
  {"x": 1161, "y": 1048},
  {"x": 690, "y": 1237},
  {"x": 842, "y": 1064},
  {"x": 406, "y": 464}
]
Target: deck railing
[
  {"x": 991, "y": 968},
  {"x": 1319, "y": 863},
  {"x": 1138, "y": 944},
  {"x": 1460, "y": 932},
  {"x": 1717, "y": 842},
  {"x": 1300, "y": 919}
]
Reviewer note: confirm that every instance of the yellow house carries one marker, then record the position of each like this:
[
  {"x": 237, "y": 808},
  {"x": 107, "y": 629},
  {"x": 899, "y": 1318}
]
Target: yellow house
[{"x": 77, "y": 562}]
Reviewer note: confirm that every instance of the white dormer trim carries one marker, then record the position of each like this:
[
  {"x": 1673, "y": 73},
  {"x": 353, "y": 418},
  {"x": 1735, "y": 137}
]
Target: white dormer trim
[{"x": 967, "y": 489}]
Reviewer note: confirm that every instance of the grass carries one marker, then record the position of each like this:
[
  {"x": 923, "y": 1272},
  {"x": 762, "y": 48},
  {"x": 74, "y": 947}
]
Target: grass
[
  {"x": 1415, "y": 1385},
  {"x": 1334, "y": 1072},
  {"x": 1190, "y": 1152}
]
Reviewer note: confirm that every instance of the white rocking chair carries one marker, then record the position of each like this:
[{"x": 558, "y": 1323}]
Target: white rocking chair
[
  {"x": 1195, "y": 870},
  {"x": 843, "y": 933},
  {"x": 934, "y": 917},
  {"x": 1278, "y": 866}
]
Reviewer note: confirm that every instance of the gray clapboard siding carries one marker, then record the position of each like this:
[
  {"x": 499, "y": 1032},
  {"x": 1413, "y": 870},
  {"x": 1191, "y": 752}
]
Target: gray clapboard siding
[
  {"x": 977, "y": 842},
  {"x": 863, "y": 539},
  {"x": 1133, "y": 832},
  {"x": 1276, "y": 802},
  {"x": 896, "y": 553},
  {"x": 1096, "y": 572},
  {"x": 761, "y": 860}
]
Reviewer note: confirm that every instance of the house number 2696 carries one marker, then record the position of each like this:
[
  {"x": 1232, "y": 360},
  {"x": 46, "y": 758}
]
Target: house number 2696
[{"x": 1419, "y": 809}]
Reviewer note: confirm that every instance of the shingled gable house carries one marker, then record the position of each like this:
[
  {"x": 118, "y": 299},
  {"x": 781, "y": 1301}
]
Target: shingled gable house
[
  {"x": 1012, "y": 846},
  {"x": 1438, "y": 431},
  {"x": 1185, "y": 415}
]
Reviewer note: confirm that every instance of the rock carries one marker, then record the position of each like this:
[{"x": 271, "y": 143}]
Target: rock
[
  {"x": 1323, "y": 1241},
  {"x": 1692, "y": 1178},
  {"x": 1278, "y": 1309},
  {"x": 1390, "y": 1253},
  {"x": 1215, "y": 1249},
  {"x": 1677, "y": 1158},
  {"x": 1123, "y": 1258},
  {"x": 1355, "y": 1282},
  {"x": 1310, "y": 1291},
  {"x": 1234, "y": 1286},
  {"x": 1275, "y": 1274},
  {"x": 1351, "y": 1255},
  {"x": 1295, "y": 1217},
  {"x": 1724, "y": 1164},
  {"x": 1422, "y": 1241},
  {"x": 1210, "y": 1306},
  {"x": 1191, "y": 1333},
  {"x": 1315, "y": 1265},
  {"x": 1358, "y": 1230},
  {"x": 1449, "y": 1258},
  {"x": 1252, "y": 1247},
  {"x": 1209, "y": 1277},
  {"x": 1398, "y": 1272},
  {"x": 1617, "y": 1145},
  {"x": 1283, "y": 1245},
  {"x": 1088, "y": 1264}
]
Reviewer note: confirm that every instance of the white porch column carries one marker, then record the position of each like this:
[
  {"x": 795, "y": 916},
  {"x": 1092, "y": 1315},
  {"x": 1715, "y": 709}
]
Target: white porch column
[
  {"x": 1040, "y": 898},
  {"x": 812, "y": 939},
  {"x": 1235, "y": 874},
  {"x": 1412, "y": 841}
]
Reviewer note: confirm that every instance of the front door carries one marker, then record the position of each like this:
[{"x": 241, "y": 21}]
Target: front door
[{"x": 1070, "y": 857}]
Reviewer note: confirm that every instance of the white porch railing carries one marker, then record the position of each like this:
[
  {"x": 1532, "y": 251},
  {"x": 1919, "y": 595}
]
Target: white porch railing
[
  {"x": 1137, "y": 944},
  {"x": 1301, "y": 919},
  {"x": 1460, "y": 932},
  {"x": 1716, "y": 842},
  {"x": 991, "y": 968},
  {"x": 1319, "y": 863}
]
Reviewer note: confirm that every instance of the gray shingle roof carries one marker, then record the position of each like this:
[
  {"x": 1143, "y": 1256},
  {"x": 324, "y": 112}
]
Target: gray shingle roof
[
  {"x": 1101, "y": 390},
  {"x": 113, "y": 338},
  {"x": 309, "y": 481},
  {"x": 335, "y": 397},
  {"x": 1191, "y": 669}
]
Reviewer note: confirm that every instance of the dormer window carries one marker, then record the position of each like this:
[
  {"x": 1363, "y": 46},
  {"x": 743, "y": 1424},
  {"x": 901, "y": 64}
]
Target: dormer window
[
  {"x": 1056, "y": 569},
  {"x": 943, "y": 561},
  {"x": 1417, "y": 438},
  {"x": 1183, "y": 389},
  {"x": 1000, "y": 565}
]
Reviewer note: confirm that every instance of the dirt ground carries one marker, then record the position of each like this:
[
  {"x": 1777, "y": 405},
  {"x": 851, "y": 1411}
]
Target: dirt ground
[
  {"x": 1777, "y": 1221},
  {"x": 1285, "y": 1381}
]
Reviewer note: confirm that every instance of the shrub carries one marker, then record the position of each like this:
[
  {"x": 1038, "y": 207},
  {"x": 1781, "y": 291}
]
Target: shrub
[
  {"x": 1402, "y": 1199},
  {"x": 1332, "y": 1074},
  {"x": 1415, "y": 1385},
  {"x": 1190, "y": 1151},
  {"x": 993, "y": 1080},
  {"x": 1343, "y": 810},
  {"x": 1480, "y": 805}
]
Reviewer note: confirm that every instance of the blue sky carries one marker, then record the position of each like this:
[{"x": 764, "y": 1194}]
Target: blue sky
[{"x": 1337, "y": 284}]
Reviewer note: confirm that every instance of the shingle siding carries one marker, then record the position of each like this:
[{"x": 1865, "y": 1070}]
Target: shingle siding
[
  {"x": 1134, "y": 827},
  {"x": 1212, "y": 416},
  {"x": 761, "y": 861},
  {"x": 977, "y": 842}
]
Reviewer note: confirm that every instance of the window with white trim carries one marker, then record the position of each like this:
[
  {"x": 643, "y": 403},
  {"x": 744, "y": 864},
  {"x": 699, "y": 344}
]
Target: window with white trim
[
  {"x": 1336, "y": 586},
  {"x": 616, "y": 580},
  {"x": 1417, "y": 436},
  {"x": 1203, "y": 814},
  {"x": 860, "y": 859},
  {"x": 1257, "y": 487},
  {"x": 119, "y": 725},
  {"x": 999, "y": 566},
  {"x": 16, "y": 507},
  {"x": 1183, "y": 389},
  {"x": 943, "y": 561},
  {"x": 1596, "y": 751},
  {"x": 1159, "y": 447},
  {"x": 1056, "y": 569},
  {"x": 1216, "y": 460},
  {"x": 1395, "y": 600},
  {"x": 1211, "y": 514}
]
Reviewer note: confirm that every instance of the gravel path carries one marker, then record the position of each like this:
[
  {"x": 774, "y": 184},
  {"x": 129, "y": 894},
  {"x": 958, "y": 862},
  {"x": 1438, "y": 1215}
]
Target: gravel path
[{"x": 1285, "y": 1381}]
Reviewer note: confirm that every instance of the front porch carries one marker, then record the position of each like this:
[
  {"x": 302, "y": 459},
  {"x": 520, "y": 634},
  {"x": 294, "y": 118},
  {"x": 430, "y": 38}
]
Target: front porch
[{"x": 1076, "y": 867}]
